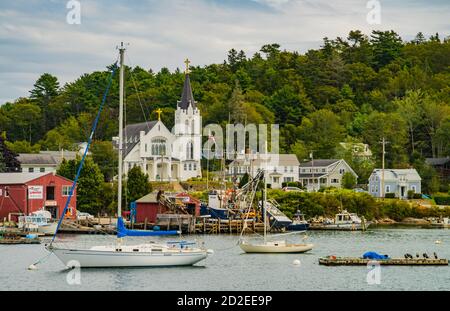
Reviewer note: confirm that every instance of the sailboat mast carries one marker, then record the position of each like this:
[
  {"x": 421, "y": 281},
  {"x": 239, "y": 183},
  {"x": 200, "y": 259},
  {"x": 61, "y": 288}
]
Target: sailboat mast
[
  {"x": 265, "y": 198},
  {"x": 121, "y": 79}
]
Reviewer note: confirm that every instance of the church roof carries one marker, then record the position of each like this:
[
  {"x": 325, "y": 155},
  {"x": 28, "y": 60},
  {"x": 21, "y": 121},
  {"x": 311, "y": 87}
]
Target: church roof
[
  {"x": 187, "y": 98},
  {"x": 132, "y": 134}
]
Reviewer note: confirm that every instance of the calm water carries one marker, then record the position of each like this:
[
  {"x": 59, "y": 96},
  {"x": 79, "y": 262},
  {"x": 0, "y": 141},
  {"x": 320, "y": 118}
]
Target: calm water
[{"x": 230, "y": 269}]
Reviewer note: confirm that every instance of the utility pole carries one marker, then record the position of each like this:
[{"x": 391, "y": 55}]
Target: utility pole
[
  {"x": 312, "y": 170},
  {"x": 384, "y": 142}
]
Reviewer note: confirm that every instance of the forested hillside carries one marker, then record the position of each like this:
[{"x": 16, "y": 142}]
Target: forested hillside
[{"x": 356, "y": 88}]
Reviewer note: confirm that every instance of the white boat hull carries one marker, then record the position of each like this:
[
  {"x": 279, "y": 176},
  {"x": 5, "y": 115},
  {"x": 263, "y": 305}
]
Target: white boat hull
[
  {"x": 274, "y": 248},
  {"x": 112, "y": 259},
  {"x": 48, "y": 229}
]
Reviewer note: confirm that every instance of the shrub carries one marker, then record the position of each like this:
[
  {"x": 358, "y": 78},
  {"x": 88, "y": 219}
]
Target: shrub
[
  {"x": 442, "y": 199},
  {"x": 389, "y": 195}
]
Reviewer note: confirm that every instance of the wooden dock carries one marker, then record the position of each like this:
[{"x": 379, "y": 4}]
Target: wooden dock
[{"x": 350, "y": 261}]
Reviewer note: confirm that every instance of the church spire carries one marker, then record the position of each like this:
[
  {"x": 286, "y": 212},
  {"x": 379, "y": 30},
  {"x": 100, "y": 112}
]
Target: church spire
[{"x": 187, "y": 98}]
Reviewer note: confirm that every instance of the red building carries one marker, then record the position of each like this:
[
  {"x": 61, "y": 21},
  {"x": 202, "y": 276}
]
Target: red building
[
  {"x": 24, "y": 193},
  {"x": 148, "y": 208}
]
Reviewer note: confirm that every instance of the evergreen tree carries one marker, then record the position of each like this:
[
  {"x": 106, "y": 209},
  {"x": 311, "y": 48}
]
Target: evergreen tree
[
  {"x": 8, "y": 158},
  {"x": 90, "y": 184},
  {"x": 137, "y": 184}
]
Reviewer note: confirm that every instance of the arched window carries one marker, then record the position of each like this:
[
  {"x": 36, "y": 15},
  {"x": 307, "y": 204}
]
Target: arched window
[
  {"x": 190, "y": 151},
  {"x": 186, "y": 127},
  {"x": 159, "y": 146},
  {"x": 193, "y": 127}
]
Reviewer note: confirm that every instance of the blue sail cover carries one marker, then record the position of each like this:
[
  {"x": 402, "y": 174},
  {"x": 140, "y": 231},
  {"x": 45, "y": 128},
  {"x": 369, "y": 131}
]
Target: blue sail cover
[{"x": 122, "y": 231}]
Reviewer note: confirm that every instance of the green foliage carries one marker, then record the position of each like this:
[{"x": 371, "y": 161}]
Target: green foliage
[
  {"x": 105, "y": 156},
  {"x": 23, "y": 146},
  {"x": 330, "y": 202},
  {"x": 244, "y": 180},
  {"x": 9, "y": 162},
  {"x": 348, "y": 180},
  {"x": 360, "y": 87},
  {"x": 137, "y": 184},
  {"x": 442, "y": 199},
  {"x": 90, "y": 197}
]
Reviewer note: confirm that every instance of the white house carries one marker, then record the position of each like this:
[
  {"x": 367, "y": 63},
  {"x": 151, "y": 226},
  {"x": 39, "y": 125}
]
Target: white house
[
  {"x": 359, "y": 150},
  {"x": 45, "y": 161},
  {"x": 323, "y": 173},
  {"x": 284, "y": 169},
  {"x": 398, "y": 181},
  {"x": 163, "y": 154}
]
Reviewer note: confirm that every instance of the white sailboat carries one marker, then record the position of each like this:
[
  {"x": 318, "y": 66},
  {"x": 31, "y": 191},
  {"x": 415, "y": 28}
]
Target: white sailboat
[
  {"x": 266, "y": 246},
  {"x": 119, "y": 255}
]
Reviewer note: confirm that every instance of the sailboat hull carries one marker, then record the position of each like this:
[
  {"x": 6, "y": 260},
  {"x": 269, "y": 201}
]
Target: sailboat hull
[
  {"x": 114, "y": 259},
  {"x": 275, "y": 248}
]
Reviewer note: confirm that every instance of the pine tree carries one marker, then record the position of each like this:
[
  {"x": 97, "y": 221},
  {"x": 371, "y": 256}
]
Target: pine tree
[{"x": 8, "y": 160}]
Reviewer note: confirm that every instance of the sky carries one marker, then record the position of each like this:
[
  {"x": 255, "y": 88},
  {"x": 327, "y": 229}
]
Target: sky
[{"x": 35, "y": 37}]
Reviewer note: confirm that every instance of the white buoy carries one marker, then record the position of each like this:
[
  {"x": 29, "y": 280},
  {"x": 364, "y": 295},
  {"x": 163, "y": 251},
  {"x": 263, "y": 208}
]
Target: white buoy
[
  {"x": 32, "y": 267},
  {"x": 296, "y": 262},
  {"x": 438, "y": 242}
]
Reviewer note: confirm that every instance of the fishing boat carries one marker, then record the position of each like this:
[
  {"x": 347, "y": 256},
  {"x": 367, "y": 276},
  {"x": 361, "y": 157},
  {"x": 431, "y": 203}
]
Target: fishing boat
[
  {"x": 298, "y": 223},
  {"x": 277, "y": 219},
  {"x": 342, "y": 221},
  {"x": 265, "y": 246},
  {"x": 119, "y": 254},
  {"x": 39, "y": 221},
  {"x": 443, "y": 222}
]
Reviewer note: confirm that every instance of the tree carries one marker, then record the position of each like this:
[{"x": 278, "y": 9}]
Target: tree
[
  {"x": 393, "y": 128},
  {"x": 105, "y": 156},
  {"x": 348, "y": 180},
  {"x": 322, "y": 132},
  {"x": 90, "y": 184},
  {"x": 8, "y": 157},
  {"x": 22, "y": 146},
  {"x": 2, "y": 164},
  {"x": 137, "y": 184},
  {"x": 45, "y": 89},
  {"x": 409, "y": 110},
  {"x": 27, "y": 118},
  {"x": 386, "y": 47}
]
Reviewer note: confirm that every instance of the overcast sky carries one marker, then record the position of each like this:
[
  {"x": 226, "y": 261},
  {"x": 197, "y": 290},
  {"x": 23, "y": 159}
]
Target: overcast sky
[{"x": 35, "y": 37}]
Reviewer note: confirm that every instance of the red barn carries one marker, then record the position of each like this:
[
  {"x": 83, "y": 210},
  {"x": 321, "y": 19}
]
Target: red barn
[
  {"x": 148, "y": 208},
  {"x": 25, "y": 193}
]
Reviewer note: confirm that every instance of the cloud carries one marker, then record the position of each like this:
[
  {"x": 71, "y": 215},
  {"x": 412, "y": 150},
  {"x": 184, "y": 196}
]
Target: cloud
[{"x": 35, "y": 38}]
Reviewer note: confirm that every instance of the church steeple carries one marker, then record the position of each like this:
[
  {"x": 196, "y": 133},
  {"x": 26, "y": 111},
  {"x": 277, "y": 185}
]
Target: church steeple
[{"x": 187, "y": 98}]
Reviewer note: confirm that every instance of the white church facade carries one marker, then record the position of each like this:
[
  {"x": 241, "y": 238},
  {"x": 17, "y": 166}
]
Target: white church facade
[{"x": 163, "y": 154}]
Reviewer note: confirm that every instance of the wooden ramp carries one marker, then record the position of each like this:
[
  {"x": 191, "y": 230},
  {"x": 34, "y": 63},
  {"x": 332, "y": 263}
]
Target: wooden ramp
[{"x": 350, "y": 261}]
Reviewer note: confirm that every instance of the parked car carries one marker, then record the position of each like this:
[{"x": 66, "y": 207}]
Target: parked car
[
  {"x": 84, "y": 216},
  {"x": 292, "y": 189},
  {"x": 360, "y": 190}
]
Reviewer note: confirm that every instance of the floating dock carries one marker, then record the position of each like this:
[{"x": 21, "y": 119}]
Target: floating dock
[
  {"x": 350, "y": 261},
  {"x": 19, "y": 241}
]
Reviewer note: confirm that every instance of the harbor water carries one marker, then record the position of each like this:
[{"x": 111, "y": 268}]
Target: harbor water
[{"x": 230, "y": 269}]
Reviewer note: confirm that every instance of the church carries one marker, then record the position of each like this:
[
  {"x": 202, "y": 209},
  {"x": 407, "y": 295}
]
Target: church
[{"x": 163, "y": 154}]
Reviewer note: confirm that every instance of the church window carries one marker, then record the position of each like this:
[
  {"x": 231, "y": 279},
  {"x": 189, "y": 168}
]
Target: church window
[
  {"x": 193, "y": 127},
  {"x": 185, "y": 167},
  {"x": 190, "y": 151},
  {"x": 195, "y": 167},
  {"x": 186, "y": 128},
  {"x": 159, "y": 146},
  {"x": 190, "y": 167}
]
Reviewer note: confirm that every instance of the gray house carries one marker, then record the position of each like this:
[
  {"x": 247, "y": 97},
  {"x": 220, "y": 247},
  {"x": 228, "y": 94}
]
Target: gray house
[
  {"x": 398, "y": 181},
  {"x": 324, "y": 173}
]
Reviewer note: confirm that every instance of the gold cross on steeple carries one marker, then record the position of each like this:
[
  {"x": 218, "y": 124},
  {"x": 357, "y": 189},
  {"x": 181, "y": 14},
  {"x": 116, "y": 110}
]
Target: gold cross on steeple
[
  {"x": 187, "y": 62},
  {"x": 159, "y": 111}
]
